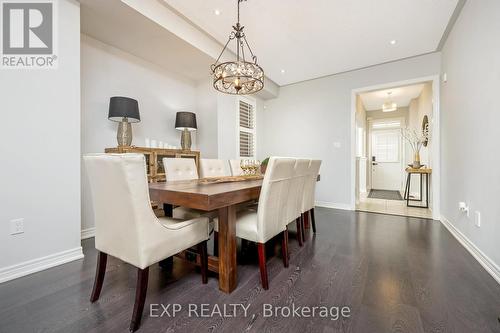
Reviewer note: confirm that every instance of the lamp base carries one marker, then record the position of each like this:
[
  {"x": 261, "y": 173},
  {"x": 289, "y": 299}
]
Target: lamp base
[
  {"x": 186, "y": 140},
  {"x": 124, "y": 135}
]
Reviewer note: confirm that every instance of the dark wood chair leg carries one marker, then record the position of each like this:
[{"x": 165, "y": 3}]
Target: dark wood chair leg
[
  {"x": 102, "y": 259},
  {"x": 284, "y": 247},
  {"x": 202, "y": 250},
  {"x": 303, "y": 227},
  {"x": 216, "y": 243},
  {"x": 306, "y": 220},
  {"x": 261, "y": 248},
  {"x": 140, "y": 297},
  {"x": 299, "y": 231},
  {"x": 313, "y": 221}
]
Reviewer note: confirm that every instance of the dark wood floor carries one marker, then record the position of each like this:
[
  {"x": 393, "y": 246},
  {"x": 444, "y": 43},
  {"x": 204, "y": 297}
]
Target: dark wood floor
[{"x": 397, "y": 274}]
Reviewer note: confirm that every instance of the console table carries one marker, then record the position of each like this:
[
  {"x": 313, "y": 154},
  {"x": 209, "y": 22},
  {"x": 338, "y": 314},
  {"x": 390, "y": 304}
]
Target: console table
[
  {"x": 154, "y": 158},
  {"x": 422, "y": 172}
]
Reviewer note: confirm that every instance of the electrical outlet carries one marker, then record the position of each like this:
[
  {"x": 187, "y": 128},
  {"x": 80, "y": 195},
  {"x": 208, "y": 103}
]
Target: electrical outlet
[
  {"x": 16, "y": 226},
  {"x": 477, "y": 219}
]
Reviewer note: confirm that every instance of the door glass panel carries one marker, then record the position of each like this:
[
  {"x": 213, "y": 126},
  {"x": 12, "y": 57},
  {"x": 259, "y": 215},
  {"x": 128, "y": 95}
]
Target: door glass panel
[{"x": 386, "y": 146}]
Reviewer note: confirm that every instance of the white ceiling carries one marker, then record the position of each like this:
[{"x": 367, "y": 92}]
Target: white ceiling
[
  {"x": 310, "y": 39},
  {"x": 116, "y": 24},
  {"x": 402, "y": 96}
]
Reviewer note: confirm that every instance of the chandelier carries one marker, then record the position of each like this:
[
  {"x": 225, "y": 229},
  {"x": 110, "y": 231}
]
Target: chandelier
[
  {"x": 240, "y": 77},
  {"x": 389, "y": 105}
]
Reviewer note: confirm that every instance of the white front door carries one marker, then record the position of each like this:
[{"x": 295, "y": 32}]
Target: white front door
[{"x": 386, "y": 159}]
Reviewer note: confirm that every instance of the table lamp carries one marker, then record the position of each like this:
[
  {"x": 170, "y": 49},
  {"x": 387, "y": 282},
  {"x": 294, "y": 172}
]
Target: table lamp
[
  {"x": 185, "y": 122},
  {"x": 125, "y": 111}
]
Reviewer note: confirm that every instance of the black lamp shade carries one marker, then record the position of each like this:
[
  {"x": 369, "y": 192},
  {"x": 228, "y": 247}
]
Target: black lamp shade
[
  {"x": 123, "y": 107},
  {"x": 185, "y": 120}
]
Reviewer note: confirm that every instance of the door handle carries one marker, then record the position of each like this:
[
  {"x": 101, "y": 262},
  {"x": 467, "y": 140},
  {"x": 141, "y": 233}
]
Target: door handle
[{"x": 374, "y": 163}]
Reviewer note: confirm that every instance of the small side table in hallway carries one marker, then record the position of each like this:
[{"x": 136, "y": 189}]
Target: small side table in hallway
[{"x": 422, "y": 172}]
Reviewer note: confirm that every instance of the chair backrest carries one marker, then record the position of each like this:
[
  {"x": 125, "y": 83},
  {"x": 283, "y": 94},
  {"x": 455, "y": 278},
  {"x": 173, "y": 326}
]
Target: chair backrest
[
  {"x": 308, "y": 199},
  {"x": 294, "y": 206},
  {"x": 213, "y": 168},
  {"x": 236, "y": 169},
  {"x": 122, "y": 208},
  {"x": 273, "y": 199},
  {"x": 180, "y": 168}
]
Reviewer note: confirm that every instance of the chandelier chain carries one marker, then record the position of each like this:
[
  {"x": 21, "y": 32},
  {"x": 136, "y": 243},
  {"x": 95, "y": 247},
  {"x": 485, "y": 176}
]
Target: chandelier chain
[{"x": 242, "y": 76}]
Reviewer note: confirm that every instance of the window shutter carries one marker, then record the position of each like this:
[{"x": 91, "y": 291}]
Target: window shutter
[
  {"x": 246, "y": 115},
  {"x": 247, "y": 129},
  {"x": 246, "y": 144}
]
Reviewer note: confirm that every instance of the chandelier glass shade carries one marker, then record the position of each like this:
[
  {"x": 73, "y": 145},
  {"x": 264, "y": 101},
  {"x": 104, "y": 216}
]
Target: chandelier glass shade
[{"x": 242, "y": 76}]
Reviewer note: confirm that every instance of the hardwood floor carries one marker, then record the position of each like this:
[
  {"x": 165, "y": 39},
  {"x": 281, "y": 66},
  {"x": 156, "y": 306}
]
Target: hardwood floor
[{"x": 397, "y": 274}]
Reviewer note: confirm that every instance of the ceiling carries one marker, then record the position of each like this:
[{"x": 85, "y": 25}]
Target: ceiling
[
  {"x": 402, "y": 96},
  {"x": 297, "y": 40},
  {"x": 116, "y": 24}
]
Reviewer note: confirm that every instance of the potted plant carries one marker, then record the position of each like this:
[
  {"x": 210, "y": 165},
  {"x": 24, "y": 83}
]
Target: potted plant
[
  {"x": 263, "y": 165},
  {"x": 416, "y": 139}
]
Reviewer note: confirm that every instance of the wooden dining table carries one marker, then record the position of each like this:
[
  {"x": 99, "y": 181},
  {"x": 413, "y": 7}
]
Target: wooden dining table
[{"x": 222, "y": 197}]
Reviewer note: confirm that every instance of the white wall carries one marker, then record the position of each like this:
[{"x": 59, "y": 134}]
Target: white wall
[
  {"x": 308, "y": 118},
  {"x": 401, "y": 112},
  {"x": 227, "y": 119},
  {"x": 106, "y": 72},
  {"x": 469, "y": 122},
  {"x": 206, "y": 114},
  {"x": 40, "y": 145},
  {"x": 361, "y": 149}
]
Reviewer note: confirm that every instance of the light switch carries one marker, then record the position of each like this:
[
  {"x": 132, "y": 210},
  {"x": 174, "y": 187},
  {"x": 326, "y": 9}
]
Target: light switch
[
  {"x": 337, "y": 144},
  {"x": 477, "y": 219}
]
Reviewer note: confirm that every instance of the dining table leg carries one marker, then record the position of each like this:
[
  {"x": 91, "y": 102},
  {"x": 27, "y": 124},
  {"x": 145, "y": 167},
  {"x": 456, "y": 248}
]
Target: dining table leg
[{"x": 227, "y": 249}]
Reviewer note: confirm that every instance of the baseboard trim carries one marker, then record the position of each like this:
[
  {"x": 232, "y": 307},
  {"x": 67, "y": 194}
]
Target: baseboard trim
[
  {"x": 40, "y": 264},
  {"x": 489, "y": 265},
  {"x": 88, "y": 233},
  {"x": 334, "y": 205}
]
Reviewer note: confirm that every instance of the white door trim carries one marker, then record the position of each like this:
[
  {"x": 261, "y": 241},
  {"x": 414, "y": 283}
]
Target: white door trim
[{"x": 436, "y": 139}]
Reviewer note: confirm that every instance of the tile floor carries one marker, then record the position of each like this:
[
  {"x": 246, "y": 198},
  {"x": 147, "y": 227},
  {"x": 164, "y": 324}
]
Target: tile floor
[{"x": 393, "y": 207}]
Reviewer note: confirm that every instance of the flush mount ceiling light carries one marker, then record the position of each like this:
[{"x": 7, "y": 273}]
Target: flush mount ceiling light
[
  {"x": 240, "y": 77},
  {"x": 389, "y": 105},
  {"x": 393, "y": 42}
]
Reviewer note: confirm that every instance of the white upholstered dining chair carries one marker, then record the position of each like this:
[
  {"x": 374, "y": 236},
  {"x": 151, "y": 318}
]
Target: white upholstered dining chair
[
  {"x": 308, "y": 198},
  {"x": 236, "y": 169},
  {"x": 180, "y": 169},
  {"x": 127, "y": 228},
  {"x": 270, "y": 218},
  {"x": 213, "y": 168},
  {"x": 295, "y": 196}
]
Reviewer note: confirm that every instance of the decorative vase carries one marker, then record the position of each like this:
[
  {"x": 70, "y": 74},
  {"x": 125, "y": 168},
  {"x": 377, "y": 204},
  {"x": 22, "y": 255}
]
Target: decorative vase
[
  {"x": 124, "y": 135},
  {"x": 416, "y": 161},
  {"x": 186, "y": 139}
]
